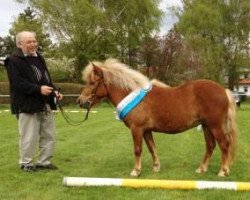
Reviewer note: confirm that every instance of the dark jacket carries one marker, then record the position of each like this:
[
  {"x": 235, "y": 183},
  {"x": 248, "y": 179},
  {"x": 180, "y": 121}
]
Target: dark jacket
[{"x": 25, "y": 91}]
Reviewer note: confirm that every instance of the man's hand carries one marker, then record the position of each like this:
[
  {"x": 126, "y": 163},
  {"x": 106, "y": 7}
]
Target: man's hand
[
  {"x": 46, "y": 90},
  {"x": 59, "y": 96}
]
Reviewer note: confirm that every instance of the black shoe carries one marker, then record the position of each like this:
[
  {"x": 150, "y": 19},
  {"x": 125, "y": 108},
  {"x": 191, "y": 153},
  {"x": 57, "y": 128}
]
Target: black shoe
[
  {"x": 49, "y": 167},
  {"x": 28, "y": 168}
]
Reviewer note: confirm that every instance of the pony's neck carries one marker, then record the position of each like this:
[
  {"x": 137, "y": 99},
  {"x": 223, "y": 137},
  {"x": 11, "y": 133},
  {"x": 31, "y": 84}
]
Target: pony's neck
[{"x": 116, "y": 95}]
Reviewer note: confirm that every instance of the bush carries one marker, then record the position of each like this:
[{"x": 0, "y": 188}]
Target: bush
[
  {"x": 4, "y": 90},
  {"x": 61, "y": 70},
  {"x": 3, "y": 74},
  {"x": 69, "y": 90}
]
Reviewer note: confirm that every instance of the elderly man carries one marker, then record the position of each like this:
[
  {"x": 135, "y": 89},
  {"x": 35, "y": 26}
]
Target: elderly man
[{"x": 33, "y": 98}]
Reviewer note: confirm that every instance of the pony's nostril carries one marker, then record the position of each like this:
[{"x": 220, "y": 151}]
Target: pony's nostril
[{"x": 85, "y": 105}]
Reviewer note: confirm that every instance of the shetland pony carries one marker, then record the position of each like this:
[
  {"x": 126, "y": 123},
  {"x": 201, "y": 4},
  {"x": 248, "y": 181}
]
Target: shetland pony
[{"x": 166, "y": 109}]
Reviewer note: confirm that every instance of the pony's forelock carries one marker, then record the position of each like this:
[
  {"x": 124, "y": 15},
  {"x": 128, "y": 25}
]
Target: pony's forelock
[{"x": 88, "y": 70}]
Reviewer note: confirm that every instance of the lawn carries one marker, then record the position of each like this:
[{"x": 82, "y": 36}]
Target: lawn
[{"x": 102, "y": 147}]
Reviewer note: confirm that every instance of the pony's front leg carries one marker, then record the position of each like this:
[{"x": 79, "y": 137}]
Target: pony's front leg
[
  {"x": 137, "y": 138},
  {"x": 148, "y": 137}
]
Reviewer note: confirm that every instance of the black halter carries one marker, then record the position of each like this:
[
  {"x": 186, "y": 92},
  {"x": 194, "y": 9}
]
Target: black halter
[
  {"x": 65, "y": 116},
  {"x": 87, "y": 105}
]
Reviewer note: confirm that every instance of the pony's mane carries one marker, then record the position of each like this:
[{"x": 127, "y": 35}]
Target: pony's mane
[
  {"x": 159, "y": 83},
  {"x": 118, "y": 74}
]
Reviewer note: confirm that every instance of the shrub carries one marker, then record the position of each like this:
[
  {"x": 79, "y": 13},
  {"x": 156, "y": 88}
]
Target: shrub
[
  {"x": 61, "y": 70},
  {"x": 69, "y": 90},
  {"x": 3, "y": 74},
  {"x": 4, "y": 90}
]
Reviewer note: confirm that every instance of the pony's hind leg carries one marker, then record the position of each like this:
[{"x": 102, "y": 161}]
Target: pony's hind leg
[
  {"x": 148, "y": 137},
  {"x": 224, "y": 147},
  {"x": 210, "y": 145}
]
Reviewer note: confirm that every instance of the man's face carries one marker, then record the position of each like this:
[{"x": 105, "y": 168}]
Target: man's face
[{"x": 28, "y": 44}]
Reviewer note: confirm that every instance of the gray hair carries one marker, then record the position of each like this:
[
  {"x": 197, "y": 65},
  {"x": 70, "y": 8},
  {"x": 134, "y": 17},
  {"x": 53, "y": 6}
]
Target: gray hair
[{"x": 21, "y": 35}]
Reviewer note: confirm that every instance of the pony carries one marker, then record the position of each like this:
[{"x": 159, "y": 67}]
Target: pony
[{"x": 166, "y": 109}]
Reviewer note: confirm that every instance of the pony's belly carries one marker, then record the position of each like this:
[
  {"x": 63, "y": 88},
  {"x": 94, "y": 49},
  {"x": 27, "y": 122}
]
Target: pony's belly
[
  {"x": 174, "y": 127},
  {"x": 171, "y": 131}
]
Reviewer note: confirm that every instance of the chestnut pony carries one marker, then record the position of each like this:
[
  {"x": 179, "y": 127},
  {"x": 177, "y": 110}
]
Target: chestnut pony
[{"x": 166, "y": 109}]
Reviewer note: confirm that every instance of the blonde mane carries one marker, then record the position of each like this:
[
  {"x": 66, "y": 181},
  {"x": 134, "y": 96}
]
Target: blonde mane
[
  {"x": 118, "y": 74},
  {"x": 159, "y": 84}
]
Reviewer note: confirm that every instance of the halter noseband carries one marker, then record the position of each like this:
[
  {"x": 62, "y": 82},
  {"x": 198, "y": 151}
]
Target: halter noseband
[{"x": 87, "y": 105}]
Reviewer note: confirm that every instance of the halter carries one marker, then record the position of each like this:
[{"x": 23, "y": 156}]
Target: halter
[
  {"x": 87, "y": 105},
  {"x": 89, "y": 102}
]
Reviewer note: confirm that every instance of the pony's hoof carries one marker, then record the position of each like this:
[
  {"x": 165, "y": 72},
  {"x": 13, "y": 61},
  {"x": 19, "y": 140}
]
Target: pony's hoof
[
  {"x": 156, "y": 168},
  {"x": 135, "y": 173},
  {"x": 201, "y": 170},
  {"x": 223, "y": 173}
]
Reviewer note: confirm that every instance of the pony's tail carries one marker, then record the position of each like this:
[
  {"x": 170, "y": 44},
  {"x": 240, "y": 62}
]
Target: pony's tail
[{"x": 231, "y": 126}]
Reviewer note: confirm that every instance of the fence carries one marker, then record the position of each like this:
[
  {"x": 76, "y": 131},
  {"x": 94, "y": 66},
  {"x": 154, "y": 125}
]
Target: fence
[{"x": 67, "y": 99}]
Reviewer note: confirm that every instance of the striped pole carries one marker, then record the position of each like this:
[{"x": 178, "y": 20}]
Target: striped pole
[{"x": 163, "y": 184}]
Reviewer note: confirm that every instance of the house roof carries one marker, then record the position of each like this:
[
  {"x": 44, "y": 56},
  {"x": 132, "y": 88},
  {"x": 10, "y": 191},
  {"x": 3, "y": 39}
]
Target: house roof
[{"x": 245, "y": 81}]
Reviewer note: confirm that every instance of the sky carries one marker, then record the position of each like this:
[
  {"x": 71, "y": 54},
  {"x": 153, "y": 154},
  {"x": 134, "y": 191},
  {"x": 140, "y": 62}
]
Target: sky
[
  {"x": 10, "y": 9},
  {"x": 168, "y": 20}
]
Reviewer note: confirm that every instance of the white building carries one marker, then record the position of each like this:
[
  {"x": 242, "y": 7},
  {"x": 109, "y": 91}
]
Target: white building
[
  {"x": 244, "y": 82},
  {"x": 244, "y": 86}
]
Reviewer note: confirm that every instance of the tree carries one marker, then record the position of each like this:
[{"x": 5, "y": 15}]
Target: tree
[
  {"x": 168, "y": 59},
  {"x": 29, "y": 21},
  {"x": 218, "y": 32},
  {"x": 7, "y": 45},
  {"x": 97, "y": 29}
]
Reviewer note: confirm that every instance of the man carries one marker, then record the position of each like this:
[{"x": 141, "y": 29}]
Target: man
[{"x": 33, "y": 98}]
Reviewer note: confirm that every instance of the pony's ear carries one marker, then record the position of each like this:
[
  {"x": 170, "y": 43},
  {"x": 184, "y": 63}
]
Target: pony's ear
[{"x": 97, "y": 70}]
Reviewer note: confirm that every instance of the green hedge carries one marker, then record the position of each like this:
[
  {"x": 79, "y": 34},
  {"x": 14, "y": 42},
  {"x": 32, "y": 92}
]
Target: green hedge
[
  {"x": 66, "y": 89},
  {"x": 4, "y": 90},
  {"x": 3, "y": 74},
  {"x": 69, "y": 89}
]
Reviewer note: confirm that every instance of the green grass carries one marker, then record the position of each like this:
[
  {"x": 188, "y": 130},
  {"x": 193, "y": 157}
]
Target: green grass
[
  {"x": 102, "y": 147},
  {"x": 3, "y": 74}
]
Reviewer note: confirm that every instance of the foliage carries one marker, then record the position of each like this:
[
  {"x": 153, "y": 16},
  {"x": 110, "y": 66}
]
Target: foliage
[
  {"x": 103, "y": 147},
  {"x": 69, "y": 90},
  {"x": 169, "y": 59},
  {"x": 218, "y": 33},
  {"x": 28, "y": 21},
  {"x": 61, "y": 69},
  {"x": 3, "y": 74},
  {"x": 7, "y": 45},
  {"x": 89, "y": 30},
  {"x": 4, "y": 88}
]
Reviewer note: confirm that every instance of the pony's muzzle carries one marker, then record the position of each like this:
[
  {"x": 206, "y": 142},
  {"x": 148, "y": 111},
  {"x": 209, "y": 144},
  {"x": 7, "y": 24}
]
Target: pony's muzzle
[{"x": 85, "y": 105}]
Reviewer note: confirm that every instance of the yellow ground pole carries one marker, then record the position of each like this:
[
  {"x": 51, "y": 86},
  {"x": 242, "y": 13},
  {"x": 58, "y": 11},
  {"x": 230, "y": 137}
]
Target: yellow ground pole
[{"x": 163, "y": 184}]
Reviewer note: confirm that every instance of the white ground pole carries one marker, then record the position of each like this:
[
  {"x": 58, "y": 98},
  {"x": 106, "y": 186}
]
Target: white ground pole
[{"x": 163, "y": 184}]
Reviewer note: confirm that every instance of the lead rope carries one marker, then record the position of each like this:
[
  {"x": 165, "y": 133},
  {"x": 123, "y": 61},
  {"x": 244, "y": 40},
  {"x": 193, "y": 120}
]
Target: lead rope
[{"x": 66, "y": 117}]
